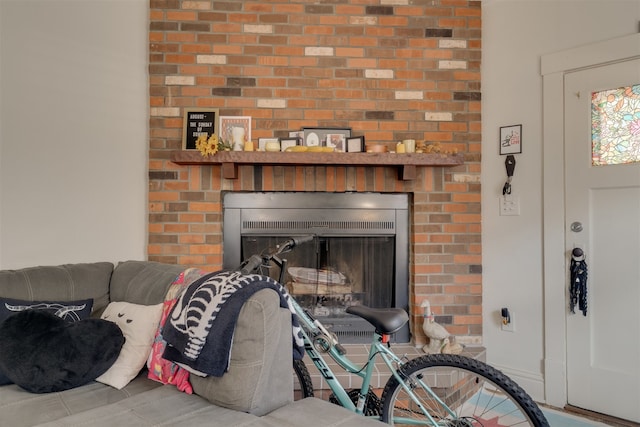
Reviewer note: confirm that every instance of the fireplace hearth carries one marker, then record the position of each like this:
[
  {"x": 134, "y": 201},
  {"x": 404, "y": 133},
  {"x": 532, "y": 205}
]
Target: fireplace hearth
[{"x": 360, "y": 253}]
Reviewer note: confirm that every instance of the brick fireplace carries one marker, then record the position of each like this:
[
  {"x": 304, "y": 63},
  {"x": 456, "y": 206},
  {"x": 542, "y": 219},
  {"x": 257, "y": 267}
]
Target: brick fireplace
[{"x": 389, "y": 70}]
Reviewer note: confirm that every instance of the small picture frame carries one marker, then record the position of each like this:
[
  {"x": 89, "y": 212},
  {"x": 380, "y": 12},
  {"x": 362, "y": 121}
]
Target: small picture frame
[
  {"x": 289, "y": 142},
  {"x": 235, "y": 128},
  {"x": 317, "y": 137},
  {"x": 511, "y": 139},
  {"x": 262, "y": 143},
  {"x": 297, "y": 134},
  {"x": 336, "y": 141},
  {"x": 198, "y": 121},
  {"x": 355, "y": 144}
]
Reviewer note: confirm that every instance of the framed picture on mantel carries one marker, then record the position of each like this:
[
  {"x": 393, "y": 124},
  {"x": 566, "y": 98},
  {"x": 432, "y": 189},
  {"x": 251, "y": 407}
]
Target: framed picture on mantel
[
  {"x": 198, "y": 121},
  {"x": 317, "y": 137},
  {"x": 235, "y": 131}
]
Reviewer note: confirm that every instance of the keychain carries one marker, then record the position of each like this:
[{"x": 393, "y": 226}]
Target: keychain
[
  {"x": 578, "y": 287},
  {"x": 510, "y": 164}
]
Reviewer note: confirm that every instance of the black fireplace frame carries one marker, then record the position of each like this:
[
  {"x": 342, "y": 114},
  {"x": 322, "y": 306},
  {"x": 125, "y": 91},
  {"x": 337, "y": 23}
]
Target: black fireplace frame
[{"x": 321, "y": 214}]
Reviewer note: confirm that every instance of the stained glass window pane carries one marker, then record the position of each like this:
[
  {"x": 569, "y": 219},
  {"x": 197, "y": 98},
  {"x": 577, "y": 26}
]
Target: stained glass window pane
[{"x": 615, "y": 126}]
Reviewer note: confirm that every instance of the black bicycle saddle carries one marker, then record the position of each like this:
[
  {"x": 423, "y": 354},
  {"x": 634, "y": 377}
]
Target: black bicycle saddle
[{"x": 385, "y": 320}]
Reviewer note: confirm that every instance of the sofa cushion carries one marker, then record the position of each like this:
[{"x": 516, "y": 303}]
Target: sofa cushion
[
  {"x": 142, "y": 282},
  {"x": 43, "y": 353},
  {"x": 138, "y": 324},
  {"x": 59, "y": 283},
  {"x": 317, "y": 412},
  {"x": 67, "y": 310},
  {"x": 19, "y": 408},
  {"x": 162, "y": 406}
]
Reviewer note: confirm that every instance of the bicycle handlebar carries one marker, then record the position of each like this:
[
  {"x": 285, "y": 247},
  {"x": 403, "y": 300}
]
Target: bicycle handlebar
[
  {"x": 291, "y": 243},
  {"x": 251, "y": 265},
  {"x": 302, "y": 239},
  {"x": 255, "y": 261}
]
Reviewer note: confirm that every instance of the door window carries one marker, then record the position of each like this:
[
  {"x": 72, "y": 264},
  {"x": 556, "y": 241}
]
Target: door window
[{"x": 615, "y": 126}]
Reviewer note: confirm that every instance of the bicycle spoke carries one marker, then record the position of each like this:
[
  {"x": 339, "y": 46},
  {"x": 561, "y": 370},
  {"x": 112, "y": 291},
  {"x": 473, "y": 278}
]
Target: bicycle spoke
[{"x": 462, "y": 393}]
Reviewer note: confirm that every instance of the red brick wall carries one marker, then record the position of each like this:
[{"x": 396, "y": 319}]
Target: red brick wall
[{"x": 390, "y": 70}]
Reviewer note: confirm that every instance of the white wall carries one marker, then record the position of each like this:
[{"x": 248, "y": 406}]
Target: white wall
[
  {"x": 1, "y": 127},
  {"x": 516, "y": 33},
  {"x": 73, "y": 141}
]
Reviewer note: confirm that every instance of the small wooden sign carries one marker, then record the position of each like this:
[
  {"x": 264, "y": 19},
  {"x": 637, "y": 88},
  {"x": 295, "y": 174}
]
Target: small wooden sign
[{"x": 198, "y": 122}]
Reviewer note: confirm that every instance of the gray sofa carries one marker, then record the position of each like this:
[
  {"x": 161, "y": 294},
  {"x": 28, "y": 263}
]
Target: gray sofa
[{"x": 257, "y": 390}]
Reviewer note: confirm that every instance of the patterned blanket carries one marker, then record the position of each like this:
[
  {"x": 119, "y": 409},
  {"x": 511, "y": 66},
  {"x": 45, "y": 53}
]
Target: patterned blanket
[{"x": 200, "y": 327}]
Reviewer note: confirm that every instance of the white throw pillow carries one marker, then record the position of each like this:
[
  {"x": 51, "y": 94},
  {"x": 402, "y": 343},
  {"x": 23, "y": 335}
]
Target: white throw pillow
[{"x": 138, "y": 324}]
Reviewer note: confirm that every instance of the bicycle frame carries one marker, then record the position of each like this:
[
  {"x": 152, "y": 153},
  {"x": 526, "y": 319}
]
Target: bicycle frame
[
  {"x": 377, "y": 348},
  {"x": 310, "y": 325},
  {"x": 405, "y": 373}
]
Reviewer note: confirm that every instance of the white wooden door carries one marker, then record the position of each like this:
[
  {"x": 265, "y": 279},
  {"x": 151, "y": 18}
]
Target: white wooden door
[{"x": 603, "y": 347}]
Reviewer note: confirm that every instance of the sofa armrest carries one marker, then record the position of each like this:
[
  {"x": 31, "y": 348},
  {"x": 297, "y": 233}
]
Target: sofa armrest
[{"x": 259, "y": 378}]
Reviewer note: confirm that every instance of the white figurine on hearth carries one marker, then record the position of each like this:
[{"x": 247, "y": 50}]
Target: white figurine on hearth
[{"x": 439, "y": 337}]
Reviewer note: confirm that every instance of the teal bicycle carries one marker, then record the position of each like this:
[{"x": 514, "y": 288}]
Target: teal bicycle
[{"x": 436, "y": 390}]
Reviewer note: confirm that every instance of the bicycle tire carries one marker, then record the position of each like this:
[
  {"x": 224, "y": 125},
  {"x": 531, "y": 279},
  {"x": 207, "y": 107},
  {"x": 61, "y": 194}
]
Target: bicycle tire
[
  {"x": 477, "y": 393},
  {"x": 302, "y": 385}
]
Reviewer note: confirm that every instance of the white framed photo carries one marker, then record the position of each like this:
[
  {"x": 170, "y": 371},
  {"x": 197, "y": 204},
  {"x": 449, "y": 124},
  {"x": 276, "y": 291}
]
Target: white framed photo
[
  {"x": 288, "y": 142},
  {"x": 262, "y": 143},
  {"x": 511, "y": 139},
  {"x": 235, "y": 131}
]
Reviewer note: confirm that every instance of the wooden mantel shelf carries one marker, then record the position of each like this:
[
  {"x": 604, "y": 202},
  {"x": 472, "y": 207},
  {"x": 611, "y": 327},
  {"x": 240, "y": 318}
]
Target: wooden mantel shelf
[{"x": 406, "y": 163}]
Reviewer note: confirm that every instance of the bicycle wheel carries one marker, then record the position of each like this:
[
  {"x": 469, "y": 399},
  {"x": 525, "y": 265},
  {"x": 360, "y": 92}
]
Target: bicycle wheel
[
  {"x": 475, "y": 394},
  {"x": 302, "y": 386}
]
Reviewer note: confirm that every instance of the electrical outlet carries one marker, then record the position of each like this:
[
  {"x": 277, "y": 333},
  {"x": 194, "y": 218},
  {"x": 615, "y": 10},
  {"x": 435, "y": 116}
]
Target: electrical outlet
[
  {"x": 509, "y": 205},
  {"x": 511, "y": 326}
]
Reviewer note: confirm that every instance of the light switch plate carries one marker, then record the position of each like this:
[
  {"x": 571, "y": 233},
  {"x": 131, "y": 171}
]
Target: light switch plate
[
  {"x": 511, "y": 326},
  {"x": 509, "y": 205}
]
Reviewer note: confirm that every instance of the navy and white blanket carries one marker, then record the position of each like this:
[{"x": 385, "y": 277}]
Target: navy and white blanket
[{"x": 199, "y": 329}]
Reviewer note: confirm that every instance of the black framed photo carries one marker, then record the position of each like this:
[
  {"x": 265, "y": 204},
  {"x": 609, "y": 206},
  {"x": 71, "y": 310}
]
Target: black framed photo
[
  {"x": 198, "y": 121},
  {"x": 355, "y": 144},
  {"x": 289, "y": 142},
  {"x": 317, "y": 137},
  {"x": 511, "y": 139}
]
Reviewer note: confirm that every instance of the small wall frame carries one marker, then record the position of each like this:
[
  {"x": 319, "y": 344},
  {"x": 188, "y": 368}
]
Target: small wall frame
[
  {"x": 291, "y": 141},
  {"x": 511, "y": 139},
  {"x": 198, "y": 121},
  {"x": 355, "y": 144},
  {"x": 262, "y": 143}
]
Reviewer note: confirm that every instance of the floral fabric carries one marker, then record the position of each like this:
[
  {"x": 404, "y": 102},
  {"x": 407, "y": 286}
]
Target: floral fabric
[{"x": 160, "y": 369}]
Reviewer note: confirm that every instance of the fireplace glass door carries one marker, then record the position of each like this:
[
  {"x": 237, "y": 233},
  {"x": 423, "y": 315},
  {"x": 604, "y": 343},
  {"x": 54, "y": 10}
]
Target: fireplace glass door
[
  {"x": 359, "y": 255},
  {"x": 332, "y": 273}
]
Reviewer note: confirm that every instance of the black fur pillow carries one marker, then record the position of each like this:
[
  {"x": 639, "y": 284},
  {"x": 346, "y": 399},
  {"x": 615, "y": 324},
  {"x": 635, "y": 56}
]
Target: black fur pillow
[{"x": 43, "y": 353}]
